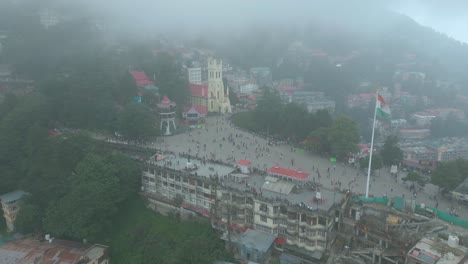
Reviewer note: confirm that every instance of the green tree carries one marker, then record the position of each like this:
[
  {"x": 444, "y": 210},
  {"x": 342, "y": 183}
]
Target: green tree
[
  {"x": 170, "y": 76},
  {"x": 391, "y": 152},
  {"x": 415, "y": 178},
  {"x": 377, "y": 162},
  {"x": 97, "y": 188},
  {"x": 343, "y": 136},
  {"x": 29, "y": 218},
  {"x": 135, "y": 121},
  {"x": 451, "y": 174},
  {"x": 318, "y": 140}
]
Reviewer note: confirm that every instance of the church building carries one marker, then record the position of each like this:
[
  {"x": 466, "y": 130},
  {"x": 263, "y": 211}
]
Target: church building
[{"x": 214, "y": 96}]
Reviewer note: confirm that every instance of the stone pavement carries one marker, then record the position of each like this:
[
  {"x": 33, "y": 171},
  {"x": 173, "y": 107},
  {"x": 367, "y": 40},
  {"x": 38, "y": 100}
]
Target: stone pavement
[{"x": 213, "y": 142}]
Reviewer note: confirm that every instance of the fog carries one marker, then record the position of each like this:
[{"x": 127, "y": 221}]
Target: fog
[
  {"x": 449, "y": 17},
  {"x": 205, "y": 16}
]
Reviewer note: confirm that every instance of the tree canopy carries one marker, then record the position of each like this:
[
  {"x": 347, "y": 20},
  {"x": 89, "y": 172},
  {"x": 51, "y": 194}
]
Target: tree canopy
[
  {"x": 391, "y": 152},
  {"x": 450, "y": 174},
  {"x": 343, "y": 136}
]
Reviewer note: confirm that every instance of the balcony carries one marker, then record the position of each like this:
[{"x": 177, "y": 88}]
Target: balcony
[
  {"x": 293, "y": 221},
  {"x": 291, "y": 231}
]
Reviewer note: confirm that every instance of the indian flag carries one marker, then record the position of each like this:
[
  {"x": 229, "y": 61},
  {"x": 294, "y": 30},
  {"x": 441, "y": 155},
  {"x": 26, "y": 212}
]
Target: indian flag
[{"x": 382, "y": 107}]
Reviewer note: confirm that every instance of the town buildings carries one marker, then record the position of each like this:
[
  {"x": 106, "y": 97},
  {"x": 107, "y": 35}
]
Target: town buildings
[
  {"x": 421, "y": 154},
  {"x": 11, "y": 206},
  {"x": 425, "y": 117},
  {"x": 311, "y": 100},
  {"x": 248, "y": 88},
  {"x": 30, "y": 250},
  {"x": 303, "y": 217},
  {"x": 195, "y": 75}
]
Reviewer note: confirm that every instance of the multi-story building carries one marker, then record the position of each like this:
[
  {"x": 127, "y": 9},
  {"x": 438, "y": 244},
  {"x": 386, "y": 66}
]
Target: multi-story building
[
  {"x": 312, "y": 101},
  {"x": 195, "y": 75},
  {"x": 428, "y": 153},
  {"x": 362, "y": 100},
  {"x": 303, "y": 218},
  {"x": 249, "y": 88},
  {"x": 11, "y": 206},
  {"x": 424, "y": 118}
]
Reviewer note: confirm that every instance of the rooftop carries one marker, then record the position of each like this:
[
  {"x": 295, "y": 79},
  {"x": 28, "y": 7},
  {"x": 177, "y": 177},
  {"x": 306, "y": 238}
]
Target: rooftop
[
  {"x": 58, "y": 252},
  {"x": 244, "y": 163},
  {"x": 282, "y": 190},
  {"x": 256, "y": 240},
  {"x": 438, "y": 251},
  {"x": 200, "y": 109},
  {"x": 12, "y": 196},
  {"x": 298, "y": 174},
  {"x": 199, "y": 90},
  {"x": 140, "y": 78},
  {"x": 193, "y": 166}
]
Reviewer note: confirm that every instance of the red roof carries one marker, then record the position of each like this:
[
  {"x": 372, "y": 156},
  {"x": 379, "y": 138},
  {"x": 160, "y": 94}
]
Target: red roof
[
  {"x": 199, "y": 90},
  {"x": 53, "y": 132},
  {"x": 34, "y": 251},
  {"x": 298, "y": 174},
  {"x": 200, "y": 109},
  {"x": 244, "y": 163},
  {"x": 166, "y": 102},
  {"x": 140, "y": 78}
]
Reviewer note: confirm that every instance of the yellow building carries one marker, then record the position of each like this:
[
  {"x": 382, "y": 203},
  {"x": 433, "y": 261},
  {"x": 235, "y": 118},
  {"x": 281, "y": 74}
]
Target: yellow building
[{"x": 214, "y": 96}]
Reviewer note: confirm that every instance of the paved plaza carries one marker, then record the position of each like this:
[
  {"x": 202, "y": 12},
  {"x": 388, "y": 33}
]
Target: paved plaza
[{"x": 220, "y": 140}]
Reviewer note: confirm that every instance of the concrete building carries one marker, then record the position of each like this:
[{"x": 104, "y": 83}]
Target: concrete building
[
  {"x": 312, "y": 101},
  {"x": 249, "y": 88},
  {"x": 414, "y": 133},
  {"x": 304, "y": 218},
  {"x": 362, "y": 100},
  {"x": 436, "y": 250},
  {"x": 324, "y": 104},
  {"x": 428, "y": 153},
  {"x": 195, "y": 75},
  {"x": 381, "y": 230},
  {"x": 424, "y": 118},
  {"x": 11, "y": 206},
  {"x": 252, "y": 245},
  {"x": 53, "y": 251}
]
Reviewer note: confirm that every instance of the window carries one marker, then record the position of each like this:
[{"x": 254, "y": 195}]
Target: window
[
  {"x": 321, "y": 244},
  {"x": 263, "y": 218},
  {"x": 264, "y": 208},
  {"x": 322, "y": 220}
]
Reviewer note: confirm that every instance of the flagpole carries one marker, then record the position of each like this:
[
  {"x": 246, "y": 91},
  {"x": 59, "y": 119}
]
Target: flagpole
[{"x": 371, "y": 145}]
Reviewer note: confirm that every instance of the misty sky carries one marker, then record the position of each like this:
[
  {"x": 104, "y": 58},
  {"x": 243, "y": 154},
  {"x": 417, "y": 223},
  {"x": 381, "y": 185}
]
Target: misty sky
[{"x": 447, "y": 16}]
